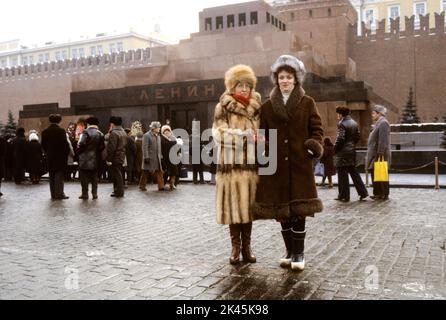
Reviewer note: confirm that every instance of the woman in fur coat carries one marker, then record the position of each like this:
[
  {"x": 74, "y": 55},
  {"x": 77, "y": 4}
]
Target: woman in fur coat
[
  {"x": 289, "y": 195},
  {"x": 236, "y": 120}
]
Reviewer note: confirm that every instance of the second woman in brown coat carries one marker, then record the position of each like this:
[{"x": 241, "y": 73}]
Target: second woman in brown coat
[{"x": 289, "y": 195}]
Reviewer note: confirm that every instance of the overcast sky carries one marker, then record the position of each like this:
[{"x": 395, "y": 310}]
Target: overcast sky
[{"x": 40, "y": 21}]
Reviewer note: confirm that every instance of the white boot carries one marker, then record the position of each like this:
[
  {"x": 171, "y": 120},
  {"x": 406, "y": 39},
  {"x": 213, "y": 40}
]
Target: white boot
[{"x": 298, "y": 258}]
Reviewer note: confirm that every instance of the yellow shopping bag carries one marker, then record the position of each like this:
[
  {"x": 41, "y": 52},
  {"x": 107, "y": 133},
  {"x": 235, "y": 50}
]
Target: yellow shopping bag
[{"x": 380, "y": 170}]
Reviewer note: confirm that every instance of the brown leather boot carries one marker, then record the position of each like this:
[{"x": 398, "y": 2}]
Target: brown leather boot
[
  {"x": 247, "y": 254},
  {"x": 235, "y": 231}
]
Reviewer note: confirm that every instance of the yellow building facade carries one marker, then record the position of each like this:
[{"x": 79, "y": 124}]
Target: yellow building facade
[
  {"x": 101, "y": 44},
  {"x": 373, "y": 11}
]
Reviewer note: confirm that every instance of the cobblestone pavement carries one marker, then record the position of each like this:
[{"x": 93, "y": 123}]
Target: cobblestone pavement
[{"x": 167, "y": 245}]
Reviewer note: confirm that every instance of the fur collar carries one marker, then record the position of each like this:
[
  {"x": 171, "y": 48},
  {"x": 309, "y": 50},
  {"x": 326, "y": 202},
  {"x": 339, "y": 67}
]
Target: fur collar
[
  {"x": 284, "y": 112},
  {"x": 252, "y": 111}
]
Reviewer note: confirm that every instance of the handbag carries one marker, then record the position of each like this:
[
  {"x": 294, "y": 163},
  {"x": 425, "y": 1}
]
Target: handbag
[
  {"x": 380, "y": 170},
  {"x": 319, "y": 169},
  {"x": 183, "y": 172}
]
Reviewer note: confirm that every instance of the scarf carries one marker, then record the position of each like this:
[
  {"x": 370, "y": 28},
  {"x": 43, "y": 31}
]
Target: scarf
[{"x": 244, "y": 101}]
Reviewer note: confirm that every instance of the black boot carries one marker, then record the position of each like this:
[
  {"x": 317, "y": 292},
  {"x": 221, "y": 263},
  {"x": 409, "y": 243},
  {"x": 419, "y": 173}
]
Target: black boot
[
  {"x": 235, "y": 230},
  {"x": 298, "y": 241},
  {"x": 286, "y": 261},
  {"x": 247, "y": 254}
]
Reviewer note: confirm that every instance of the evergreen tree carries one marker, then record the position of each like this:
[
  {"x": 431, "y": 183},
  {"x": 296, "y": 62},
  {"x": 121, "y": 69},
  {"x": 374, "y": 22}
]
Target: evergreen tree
[
  {"x": 11, "y": 126},
  {"x": 410, "y": 110},
  {"x": 2, "y": 128},
  {"x": 443, "y": 142}
]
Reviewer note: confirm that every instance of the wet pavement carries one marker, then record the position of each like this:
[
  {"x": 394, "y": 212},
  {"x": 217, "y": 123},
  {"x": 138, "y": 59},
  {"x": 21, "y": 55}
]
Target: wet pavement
[{"x": 167, "y": 245}]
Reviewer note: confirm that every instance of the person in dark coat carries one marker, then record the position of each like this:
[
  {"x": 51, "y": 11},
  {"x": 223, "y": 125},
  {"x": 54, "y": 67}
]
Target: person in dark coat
[
  {"x": 130, "y": 154},
  {"x": 152, "y": 157},
  {"x": 55, "y": 145},
  {"x": 90, "y": 147},
  {"x": 2, "y": 161},
  {"x": 19, "y": 155},
  {"x": 168, "y": 140},
  {"x": 198, "y": 167},
  {"x": 116, "y": 145},
  {"x": 379, "y": 146},
  {"x": 289, "y": 195},
  {"x": 345, "y": 159},
  {"x": 327, "y": 160},
  {"x": 34, "y": 158}
]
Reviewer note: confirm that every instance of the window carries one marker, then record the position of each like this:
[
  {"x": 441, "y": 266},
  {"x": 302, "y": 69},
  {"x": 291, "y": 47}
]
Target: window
[
  {"x": 230, "y": 21},
  {"x": 242, "y": 19},
  {"x": 41, "y": 57},
  {"x": 370, "y": 18},
  {"x": 120, "y": 46},
  {"x": 112, "y": 47},
  {"x": 311, "y": 13},
  {"x": 100, "y": 50},
  {"x": 64, "y": 55},
  {"x": 329, "y": 12},
  {"x": 208, "y": 24},
  {"x": 31, "y": 59},
  {"x": 47, "y": 56},
  {"x": 394, "y": 12},
  {"x": 3, "y": 63},
  {"x": 268, "y": 17},
  {"x": 93, "y": 51},
  {"x": 419, "y": 8},
  {"x": 219, "y": 22},
  {"x": 57, "y": 55},
  {"x": 24, "y": 61},
  {"x": 74, "y": 53},
  {"x": 81, "y": 52},
  {"x": 254, "y": 19},
  {"x": 14, "y": 62},
  {"x": 443, "y": 5}
]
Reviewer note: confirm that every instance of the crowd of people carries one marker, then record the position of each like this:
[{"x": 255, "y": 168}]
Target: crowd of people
[
  {"x": 82, "y": 152},
  {"x": 288, "y": 195}
]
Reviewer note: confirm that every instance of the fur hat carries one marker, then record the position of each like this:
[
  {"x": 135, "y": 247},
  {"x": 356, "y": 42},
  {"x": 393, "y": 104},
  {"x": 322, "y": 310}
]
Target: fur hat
[
  {"x": 380, "y": 109},
  {"x": 237, "y": 74},
  {"x": 165, "y": 127},
  {"x": 33, "y": 136},
  {"x": 292, "y": 62},
  {"x": 155, "y": 124}
]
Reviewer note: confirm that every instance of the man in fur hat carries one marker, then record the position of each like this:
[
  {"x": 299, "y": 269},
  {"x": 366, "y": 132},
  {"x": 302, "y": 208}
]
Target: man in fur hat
[
  {"x": 152, "y": 157},
  {"x": 236, "y": 119},
  {"x": 289, "y": 195}
]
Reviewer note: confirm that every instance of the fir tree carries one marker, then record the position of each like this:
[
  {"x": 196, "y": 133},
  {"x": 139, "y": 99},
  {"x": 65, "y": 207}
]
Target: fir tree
[
  {"x": 410, "y": 110},
  {"x": 443, "y": 142},
  {"x": 11, "y": 126}
]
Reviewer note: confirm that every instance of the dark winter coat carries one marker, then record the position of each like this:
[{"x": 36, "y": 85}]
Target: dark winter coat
[
  {"x": 138, "y": 156},
  {"x": 379, "y": 142},
  {"x": 91, "y": 145},
  {"x": 55, "y": 145},
  {"x": 328, "y": 160},
  {"x": 166, "y": 145},
  {"x": 348, "y": 136},
  {"x": 2, "y": 157},
  {"x": 117, "y": 141},
  {"x": 291, "y": 190},
  {"x": 34, "y": 158},
  {"x": 130, "y": 151},
  {"x": 20, "y": 146}
]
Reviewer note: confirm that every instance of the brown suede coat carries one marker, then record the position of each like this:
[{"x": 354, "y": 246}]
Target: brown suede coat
[{"x": 291, "y": 191}]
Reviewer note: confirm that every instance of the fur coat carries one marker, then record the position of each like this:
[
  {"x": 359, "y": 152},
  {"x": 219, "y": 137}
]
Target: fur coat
[
  {"x": 291, "y": 191},
  {"x": 236, "y": 178}
]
